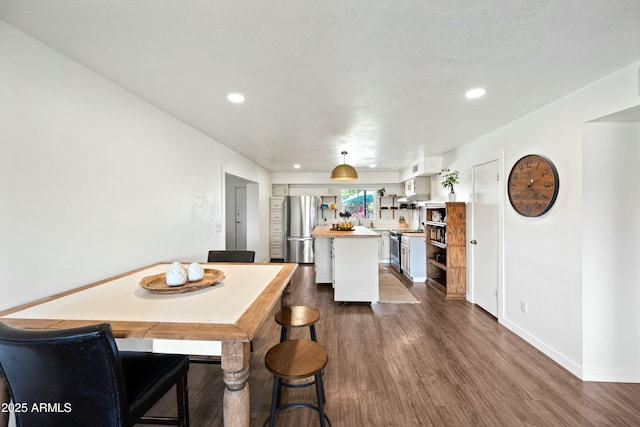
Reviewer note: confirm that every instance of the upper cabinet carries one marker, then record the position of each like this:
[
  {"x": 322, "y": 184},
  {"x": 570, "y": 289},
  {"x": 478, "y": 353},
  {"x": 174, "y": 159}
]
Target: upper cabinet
[
  {"x": 408, "y": 186},
  {"x": 417, "y": 185},
  {"x": 280, "y": 190}
]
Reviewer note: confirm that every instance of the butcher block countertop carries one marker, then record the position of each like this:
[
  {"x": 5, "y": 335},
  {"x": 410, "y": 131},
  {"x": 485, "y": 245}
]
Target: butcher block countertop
[
  {"x": 358, "y": 231},
  {"x": 415, "y": 234}
]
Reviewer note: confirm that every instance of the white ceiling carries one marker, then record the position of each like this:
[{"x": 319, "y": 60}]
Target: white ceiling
[{"x": 382, "y": 79}]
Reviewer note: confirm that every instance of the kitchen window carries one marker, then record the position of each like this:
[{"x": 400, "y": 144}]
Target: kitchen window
[{"x": 361, "y": 203}]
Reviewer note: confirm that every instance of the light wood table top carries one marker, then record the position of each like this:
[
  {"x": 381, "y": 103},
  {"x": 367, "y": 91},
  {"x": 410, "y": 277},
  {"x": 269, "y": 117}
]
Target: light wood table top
[{"x": 230, "y": 312}]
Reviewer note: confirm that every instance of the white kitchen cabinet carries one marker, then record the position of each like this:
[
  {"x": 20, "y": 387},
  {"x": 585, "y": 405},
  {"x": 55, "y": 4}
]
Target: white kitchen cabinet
[
  {"x": 276, "y": 228},
  {"x": 408, "y": 186},
  {"x": 413, "y": 257},
  {"x": 280, "y": 189},
  {"x": 384, "y": 247},
  {"x": 276, "y": 252},
  {"x": 276, "y": 232},
  {"x": 417, "y": 185},
  {"x": 404, "y": 256}
]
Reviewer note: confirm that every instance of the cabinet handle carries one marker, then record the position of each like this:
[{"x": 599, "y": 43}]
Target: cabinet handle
[{"x": 474, "y": 242}]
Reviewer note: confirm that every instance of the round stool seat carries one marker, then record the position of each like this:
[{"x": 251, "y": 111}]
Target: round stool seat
[
  {"x": 297, "y": 316},
  {"x": 296, "y": 359}
]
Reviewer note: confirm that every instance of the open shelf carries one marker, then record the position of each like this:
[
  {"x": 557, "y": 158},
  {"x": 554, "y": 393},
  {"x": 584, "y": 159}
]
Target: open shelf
[
  {"x": 329, "y": 200},
  {"x": 437, "y": 244},
  {"x": 441, "y": 266},
  {"x": 436, "y": 223},
  {"x": 437, "y": 284},
  {"x": 389, "y": 203}
]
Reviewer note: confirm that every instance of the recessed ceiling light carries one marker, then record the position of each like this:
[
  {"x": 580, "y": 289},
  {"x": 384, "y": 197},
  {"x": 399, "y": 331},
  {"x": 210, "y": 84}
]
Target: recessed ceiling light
[
  {"x": 296, "y": 166},
  {"x": 372, "y": 166},
  {"x": 475, "y": 93},
  {"x": 236, "y": 98}
]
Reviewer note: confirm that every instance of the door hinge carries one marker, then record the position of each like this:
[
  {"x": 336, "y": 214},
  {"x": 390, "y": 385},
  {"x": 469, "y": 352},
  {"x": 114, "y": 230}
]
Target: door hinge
[{"x": 498, "y": 176}]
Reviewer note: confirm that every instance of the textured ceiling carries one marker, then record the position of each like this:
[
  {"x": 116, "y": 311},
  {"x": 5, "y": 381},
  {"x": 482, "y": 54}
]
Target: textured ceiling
[{"x": 383, "y": 79}]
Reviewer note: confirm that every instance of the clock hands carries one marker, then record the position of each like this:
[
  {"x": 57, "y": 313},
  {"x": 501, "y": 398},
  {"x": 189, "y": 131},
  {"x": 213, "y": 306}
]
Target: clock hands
[{"x": 531, "y": 189}]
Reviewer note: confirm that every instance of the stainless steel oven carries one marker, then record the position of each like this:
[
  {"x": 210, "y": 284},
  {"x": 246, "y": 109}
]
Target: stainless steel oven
[{"x": 394, "y": 259}]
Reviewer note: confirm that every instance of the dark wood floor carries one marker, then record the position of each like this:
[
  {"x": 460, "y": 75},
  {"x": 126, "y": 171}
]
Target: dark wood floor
[{"x": 437, "y": 363}]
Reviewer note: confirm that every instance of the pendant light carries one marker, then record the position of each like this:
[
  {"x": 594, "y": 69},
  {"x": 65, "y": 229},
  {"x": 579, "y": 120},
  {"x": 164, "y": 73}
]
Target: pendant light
[{"x": 344, "y": 172}]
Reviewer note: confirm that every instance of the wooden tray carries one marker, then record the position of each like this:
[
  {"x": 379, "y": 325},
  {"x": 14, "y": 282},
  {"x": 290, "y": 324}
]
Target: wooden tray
[{"x": 158, "y": 283}]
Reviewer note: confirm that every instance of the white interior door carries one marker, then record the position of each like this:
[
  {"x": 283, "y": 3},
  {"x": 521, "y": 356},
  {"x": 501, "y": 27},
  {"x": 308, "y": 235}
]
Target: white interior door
[
  {"x": 484, "y": 240},
  {"x": 241, "y": 219}
]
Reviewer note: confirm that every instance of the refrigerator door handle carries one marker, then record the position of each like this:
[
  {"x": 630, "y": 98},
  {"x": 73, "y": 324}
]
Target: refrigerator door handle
[{"x": 299, "y": 239}]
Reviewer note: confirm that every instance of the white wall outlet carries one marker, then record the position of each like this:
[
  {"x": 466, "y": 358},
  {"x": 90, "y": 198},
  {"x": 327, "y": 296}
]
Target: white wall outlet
[
  {"x": 524, "y": 307},
  {"x": 218, "y": 227}
]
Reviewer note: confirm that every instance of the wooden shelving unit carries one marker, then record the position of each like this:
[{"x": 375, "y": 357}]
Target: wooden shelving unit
[
  {"x": 446, "y": 248},
  {"x": 386, "y": 203},
  {"x": 330, "y": 200},
  {"x": 390, "y": 203}
]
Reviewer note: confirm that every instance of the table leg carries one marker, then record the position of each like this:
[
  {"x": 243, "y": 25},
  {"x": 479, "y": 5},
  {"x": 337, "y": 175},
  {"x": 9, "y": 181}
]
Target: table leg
[
  {"x": 285, "y": 299},
  {"x": 4, "y": 398},
  {"x": 235, "y": 372}
]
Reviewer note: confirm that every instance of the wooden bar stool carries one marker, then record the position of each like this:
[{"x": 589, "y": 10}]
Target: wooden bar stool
[
  {"x": 295, "y": 360},
  {"x": 297, "y": 316}
]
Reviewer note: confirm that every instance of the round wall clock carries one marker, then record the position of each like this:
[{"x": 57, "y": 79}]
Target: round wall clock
[{"x": 533, "y": 185}]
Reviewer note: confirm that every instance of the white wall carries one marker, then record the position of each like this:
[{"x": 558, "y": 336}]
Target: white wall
[
  {"x": 611, "y": 251},
  {"x": 543, "y": 261},
  {"x": 253, "y": 224},
  {"x": 95, "y": 182}
]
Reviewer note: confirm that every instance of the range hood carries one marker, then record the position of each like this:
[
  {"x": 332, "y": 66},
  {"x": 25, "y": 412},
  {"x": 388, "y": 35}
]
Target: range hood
[{"x": 415, "y": 198}]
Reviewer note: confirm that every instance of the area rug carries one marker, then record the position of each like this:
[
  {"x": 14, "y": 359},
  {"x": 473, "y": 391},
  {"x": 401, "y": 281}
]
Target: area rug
[{"x": 394, "y": 292}]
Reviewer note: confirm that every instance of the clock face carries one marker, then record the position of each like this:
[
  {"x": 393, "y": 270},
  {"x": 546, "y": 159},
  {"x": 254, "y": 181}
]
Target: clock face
[{"x": 533, "y": 185}]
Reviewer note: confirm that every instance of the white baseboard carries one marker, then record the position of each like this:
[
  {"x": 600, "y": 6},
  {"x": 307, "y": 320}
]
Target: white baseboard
[
  {"x": 556, "y": 356},
  {"x": 611, "y": 375},
  {"x": 585, "y": 374}
]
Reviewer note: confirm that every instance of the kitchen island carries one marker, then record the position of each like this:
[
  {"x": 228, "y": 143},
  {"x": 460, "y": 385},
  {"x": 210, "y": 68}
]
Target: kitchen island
[{"x": 349, "y": 261}]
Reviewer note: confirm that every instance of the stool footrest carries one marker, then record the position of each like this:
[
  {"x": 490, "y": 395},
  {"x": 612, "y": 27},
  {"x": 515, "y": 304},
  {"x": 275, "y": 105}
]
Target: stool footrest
[
  {"x": 301, "y": 405},
  {"x": 300, "y": 385}
]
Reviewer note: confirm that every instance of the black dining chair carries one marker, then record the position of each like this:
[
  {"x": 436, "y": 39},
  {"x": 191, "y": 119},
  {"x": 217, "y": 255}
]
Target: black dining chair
[
  {"x": 231, "y": 256},
  {"x": 77, "y": 377}
]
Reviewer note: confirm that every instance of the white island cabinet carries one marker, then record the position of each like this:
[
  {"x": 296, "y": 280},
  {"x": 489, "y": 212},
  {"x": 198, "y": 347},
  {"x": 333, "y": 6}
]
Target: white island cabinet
[
  {"x": 349, "y": 261},
  {"x": 323, "y": 247}
]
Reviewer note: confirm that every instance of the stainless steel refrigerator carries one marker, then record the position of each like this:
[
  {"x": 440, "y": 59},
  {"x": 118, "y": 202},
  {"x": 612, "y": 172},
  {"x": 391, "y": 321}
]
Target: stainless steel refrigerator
[{"x": 300, "y": 215}]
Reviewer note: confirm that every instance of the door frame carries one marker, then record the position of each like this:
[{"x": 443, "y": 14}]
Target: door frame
[
  {"x": 252, "y": 211},
  {"x": 499, "y": 157}
]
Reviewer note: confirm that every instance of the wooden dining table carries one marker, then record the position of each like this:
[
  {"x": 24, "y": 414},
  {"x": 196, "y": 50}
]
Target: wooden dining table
[{"x": 218, "y": 320}]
